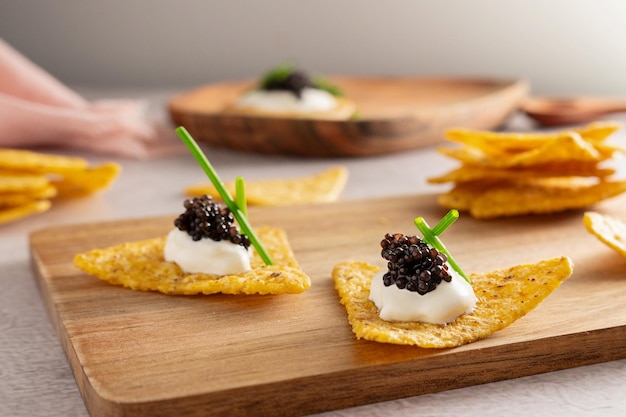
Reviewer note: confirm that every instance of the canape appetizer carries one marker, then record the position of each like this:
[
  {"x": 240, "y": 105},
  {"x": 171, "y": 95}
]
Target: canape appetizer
[
  {"x": 205, "y": 252},
  {"x": 286, "y": 91},
  {"x": 423, "y": 298}
]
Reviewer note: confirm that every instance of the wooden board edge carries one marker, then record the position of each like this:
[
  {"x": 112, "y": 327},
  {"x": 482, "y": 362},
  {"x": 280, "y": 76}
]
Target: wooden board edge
[{"x": 338, "y": 389}]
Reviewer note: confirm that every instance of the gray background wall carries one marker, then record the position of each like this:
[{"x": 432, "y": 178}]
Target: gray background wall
[{"x": 562, "y": 47}]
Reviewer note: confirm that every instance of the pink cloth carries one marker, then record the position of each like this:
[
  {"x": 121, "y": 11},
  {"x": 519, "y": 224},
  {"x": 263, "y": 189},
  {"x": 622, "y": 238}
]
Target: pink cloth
[{"x": 38, "y": 110}]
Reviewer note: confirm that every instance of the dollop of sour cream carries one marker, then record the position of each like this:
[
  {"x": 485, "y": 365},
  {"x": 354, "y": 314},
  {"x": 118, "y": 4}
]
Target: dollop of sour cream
[
  {"x": 311, "y": 100},
  {"x": 440, "y": 306},
  {"x": 205, "y": 255}
]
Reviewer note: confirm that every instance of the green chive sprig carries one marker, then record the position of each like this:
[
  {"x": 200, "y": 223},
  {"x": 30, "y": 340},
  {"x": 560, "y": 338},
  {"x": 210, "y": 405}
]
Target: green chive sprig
[
  {"x": 240, "y": 195},
  {"x": 238, "y": 209},
  {"x": 431, "y": 236}
]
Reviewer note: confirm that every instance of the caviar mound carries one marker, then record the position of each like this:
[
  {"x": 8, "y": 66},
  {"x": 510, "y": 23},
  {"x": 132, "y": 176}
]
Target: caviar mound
[
  {"x": 204, "y": 218},
  {"x": 295, "y": 82},
  {"x": 412, "y": 264}
]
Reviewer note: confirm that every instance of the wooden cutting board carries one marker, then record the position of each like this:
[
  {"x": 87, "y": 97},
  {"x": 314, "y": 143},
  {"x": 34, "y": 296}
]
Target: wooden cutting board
[{"x": 149, "y": 354}]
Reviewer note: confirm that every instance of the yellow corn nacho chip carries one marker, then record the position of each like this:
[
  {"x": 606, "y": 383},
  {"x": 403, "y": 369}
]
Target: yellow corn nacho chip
[
  {"x": 608, "y": 229},
  {"x": 469, "y": 173},
  {"x": 9, "y": 214},
  {"x": 86, "y": 181},
  {"x": 11, "y": 199},
  {"x": 39, "y": 163},
  {"x": 323, "y": 187},
  {"x": 513, "y": 142},
  {"x": 140, "y": 266},
  {"x": 597, "y": 132},
  {"x": 26, "y": 183},
  {"x": 503, "y": 297},
  {"x": 485, "y": 201},
  {"x": 566, "y": 148},
  {"x": 607, "y": 151}
]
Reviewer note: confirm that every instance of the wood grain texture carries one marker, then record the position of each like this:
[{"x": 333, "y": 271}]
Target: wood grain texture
[
  {"x": 395, "y": 114},
  {"x": 149, "y": 354}
]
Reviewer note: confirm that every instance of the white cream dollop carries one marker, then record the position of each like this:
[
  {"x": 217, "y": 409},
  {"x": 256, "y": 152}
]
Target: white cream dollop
[
  {"x": 311, "y": 100},
  {"x": 440, "y": 306},
  {"x": 205, "y": 255}
]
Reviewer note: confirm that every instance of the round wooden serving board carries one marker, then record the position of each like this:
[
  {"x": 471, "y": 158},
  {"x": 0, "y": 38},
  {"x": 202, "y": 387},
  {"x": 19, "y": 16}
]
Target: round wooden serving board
[{"x": 394, "y": 115}]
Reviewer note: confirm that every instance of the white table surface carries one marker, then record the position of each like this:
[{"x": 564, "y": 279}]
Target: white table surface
[{"x": 35, "y": 377}]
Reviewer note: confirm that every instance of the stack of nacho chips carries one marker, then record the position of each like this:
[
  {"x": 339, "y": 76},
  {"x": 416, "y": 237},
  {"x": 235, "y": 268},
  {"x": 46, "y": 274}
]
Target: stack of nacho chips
[
  {"x": 30, "y": 180},
  {"x": 507, "y": 174}
]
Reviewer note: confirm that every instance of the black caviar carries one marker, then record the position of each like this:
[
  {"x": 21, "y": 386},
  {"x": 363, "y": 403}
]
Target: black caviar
[
  {"x": 204, "y": 218},
  {"x": 413, "y": 265},
  {"x": 295, "y": 82}
]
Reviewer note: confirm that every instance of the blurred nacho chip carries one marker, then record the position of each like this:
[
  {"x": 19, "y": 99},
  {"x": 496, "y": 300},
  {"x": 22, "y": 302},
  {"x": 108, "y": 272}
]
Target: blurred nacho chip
[
  {"x": 18, "y": 198},
  {"x": 39, "y": 163},
  {"x": 468, "y": 173},
  {"x": 25, "y": 183},
  {"x": 608, "y": 229},
  {"x": 565, "y": 148},
  {"x": 323, "y": 187},
  {"x": 503, "y": 297},
  {"x": 140, "y": 266},
  {"x": 87, "y": 180},
  {"x": 597, "y": 132},
  {"x": 485, "y": 201},
  {"x": 16, "y": 212},
  {"x": 513, "y": 142}
]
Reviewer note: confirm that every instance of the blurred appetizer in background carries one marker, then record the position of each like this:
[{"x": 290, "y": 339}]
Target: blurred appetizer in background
[{"x": 287, "y": 91}]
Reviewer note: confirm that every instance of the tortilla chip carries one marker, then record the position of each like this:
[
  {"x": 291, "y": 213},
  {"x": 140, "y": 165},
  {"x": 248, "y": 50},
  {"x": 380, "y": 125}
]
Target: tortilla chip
[
  {"x": 87, "y": 180},
  {"x": 512, "y": 142},
  {"x": 460, "y": 196},
  {"x": 566, "y": 148},
  {"x": 12, "y": 199},
  {"x": 26, "y": 183},
  {"x": 503, "y": 297},
  {"x": 140, "y": 266},
  {"x": 597, "y": 132},
  {"x": 607, "y": 151},
  {"x": 323, "y": 187},
  {"x": 9, "y": 214},
  {"x": 485, "y": 201},
  {"x": 608, "y": 229},
  {"x": 468, "y": 173},
  {"x": 39, "y": 163}
]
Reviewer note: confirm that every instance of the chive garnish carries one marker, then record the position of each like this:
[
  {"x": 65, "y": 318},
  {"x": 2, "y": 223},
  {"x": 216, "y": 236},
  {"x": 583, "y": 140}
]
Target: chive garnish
[
  {"x": 235, "y": 209},
  {"x": 431, "y": 237},
  {"x": 323, "y": 84},
  {"x": 277, "y": 74},
  {"x": 240, "y": 195}
]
